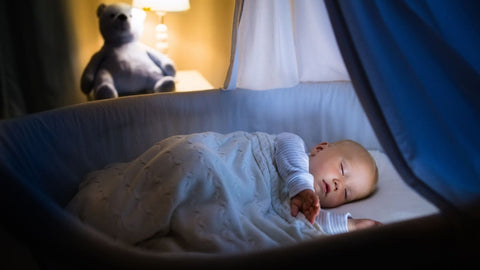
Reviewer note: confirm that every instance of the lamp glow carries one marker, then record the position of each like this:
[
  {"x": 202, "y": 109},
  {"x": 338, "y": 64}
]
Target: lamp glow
[{"x": 161, "y": 7}]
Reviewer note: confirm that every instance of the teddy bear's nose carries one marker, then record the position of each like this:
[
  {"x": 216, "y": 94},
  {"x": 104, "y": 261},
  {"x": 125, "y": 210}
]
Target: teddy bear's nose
[{"x": 122, "y": 17}]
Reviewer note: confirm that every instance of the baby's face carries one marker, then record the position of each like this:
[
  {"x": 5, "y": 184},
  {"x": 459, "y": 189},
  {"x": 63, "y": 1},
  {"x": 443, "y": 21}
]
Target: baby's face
[{"x": 342, "y": 173}]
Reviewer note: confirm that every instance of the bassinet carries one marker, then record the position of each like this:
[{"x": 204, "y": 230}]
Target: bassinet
[{"x": 44, "y": 156}]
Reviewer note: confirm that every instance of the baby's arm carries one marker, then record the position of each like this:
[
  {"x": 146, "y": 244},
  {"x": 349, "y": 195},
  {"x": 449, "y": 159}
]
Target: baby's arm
[
  {"x": 334, "y": 223},
  {"x": 292, "y": 164},
  {"x": 362, "y": 223}
]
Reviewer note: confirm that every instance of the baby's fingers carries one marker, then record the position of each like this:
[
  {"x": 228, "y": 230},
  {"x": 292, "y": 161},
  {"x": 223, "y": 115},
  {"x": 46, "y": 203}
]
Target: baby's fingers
[
  {"x": 294, "y": 210},
  {"x": 312, "y": 213},
  {"x": 309, "y": 216}
]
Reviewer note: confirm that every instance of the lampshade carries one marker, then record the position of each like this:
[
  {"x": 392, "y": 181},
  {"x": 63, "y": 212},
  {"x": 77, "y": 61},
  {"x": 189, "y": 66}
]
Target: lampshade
[{"x": 162, "y": 5}]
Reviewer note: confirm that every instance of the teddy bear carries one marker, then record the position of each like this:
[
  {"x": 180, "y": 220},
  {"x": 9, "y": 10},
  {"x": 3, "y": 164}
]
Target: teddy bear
[{"x": 124, "y": 65}]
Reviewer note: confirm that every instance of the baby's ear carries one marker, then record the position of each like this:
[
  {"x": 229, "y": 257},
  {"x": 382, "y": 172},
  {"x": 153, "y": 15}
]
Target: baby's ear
[{"x": 319, "y": 147}]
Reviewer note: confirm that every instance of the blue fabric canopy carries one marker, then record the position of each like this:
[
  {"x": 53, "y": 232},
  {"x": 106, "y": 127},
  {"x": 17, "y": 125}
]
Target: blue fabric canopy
[{"x": 415, "y": 66}]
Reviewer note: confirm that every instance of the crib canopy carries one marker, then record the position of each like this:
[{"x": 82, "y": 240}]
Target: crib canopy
[{"x": 415, "y": 67}]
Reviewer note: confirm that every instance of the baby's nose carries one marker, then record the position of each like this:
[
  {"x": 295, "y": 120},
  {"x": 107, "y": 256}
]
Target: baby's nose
[{"x": 337, "y": 184}]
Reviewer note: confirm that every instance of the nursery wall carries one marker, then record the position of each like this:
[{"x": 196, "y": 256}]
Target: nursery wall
[
  {"x": 199, "y": 38},
  {"x": 48, "y": 43}
]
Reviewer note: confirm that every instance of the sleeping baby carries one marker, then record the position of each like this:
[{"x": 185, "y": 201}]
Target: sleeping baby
[
  {"x": 222, "y": 193},
  {"x": 333, "y": 174}
]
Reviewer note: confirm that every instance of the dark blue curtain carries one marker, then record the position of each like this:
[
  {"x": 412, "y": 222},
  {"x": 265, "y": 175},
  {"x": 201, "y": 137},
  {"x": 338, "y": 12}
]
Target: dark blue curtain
[
  {"x": 36, "y": 50},
  {"x": 416, "y": 68}
]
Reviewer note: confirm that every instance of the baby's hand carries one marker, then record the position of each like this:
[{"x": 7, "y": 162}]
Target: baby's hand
[
  {"x": 306, "y": 201},
  {"x": 362, "y": 223}
]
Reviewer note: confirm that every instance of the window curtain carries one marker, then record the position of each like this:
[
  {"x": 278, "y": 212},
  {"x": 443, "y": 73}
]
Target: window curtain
[
  {"x": 280, "y": 43},
  {"x": 36, "y": 71},
  {"x": 416, "y": 69}
]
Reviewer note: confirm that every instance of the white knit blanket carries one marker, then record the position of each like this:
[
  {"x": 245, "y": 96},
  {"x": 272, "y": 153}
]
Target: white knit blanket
[{"x": 205, "y": 192}]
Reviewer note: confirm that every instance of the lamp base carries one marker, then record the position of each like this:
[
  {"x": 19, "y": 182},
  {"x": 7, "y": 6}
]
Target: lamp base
[{"x": 161, "y": 34}]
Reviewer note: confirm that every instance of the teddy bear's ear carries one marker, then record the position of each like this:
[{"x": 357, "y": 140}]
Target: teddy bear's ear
[{"x": 100, "y": 9}]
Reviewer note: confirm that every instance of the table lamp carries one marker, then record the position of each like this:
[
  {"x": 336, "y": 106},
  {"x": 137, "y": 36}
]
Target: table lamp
[{"x": 161, "y": 7}]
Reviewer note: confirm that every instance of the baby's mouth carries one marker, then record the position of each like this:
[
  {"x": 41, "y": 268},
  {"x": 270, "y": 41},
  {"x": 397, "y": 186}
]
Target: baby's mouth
[{"x": 325, "y": 187}]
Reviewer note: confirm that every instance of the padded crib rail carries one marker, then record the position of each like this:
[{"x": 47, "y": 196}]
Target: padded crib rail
[{"x": 54, "y": 150}]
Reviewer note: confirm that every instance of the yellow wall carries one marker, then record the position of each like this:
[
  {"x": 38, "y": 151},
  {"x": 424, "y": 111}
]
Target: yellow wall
[{"x": 199, "y": 38}]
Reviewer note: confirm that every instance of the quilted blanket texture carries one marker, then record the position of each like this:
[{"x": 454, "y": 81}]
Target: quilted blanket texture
[{"x": 203, "y": 192}]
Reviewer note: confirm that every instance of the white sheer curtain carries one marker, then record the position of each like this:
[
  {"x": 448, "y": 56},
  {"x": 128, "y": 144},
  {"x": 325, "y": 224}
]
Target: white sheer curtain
[{"x": 280, "y": 43}]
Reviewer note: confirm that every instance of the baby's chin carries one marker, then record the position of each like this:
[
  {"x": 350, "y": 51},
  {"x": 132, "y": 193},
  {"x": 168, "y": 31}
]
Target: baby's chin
[
  {"x": 323, "y": 202},
  {"x": 326, "y": 204}
]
